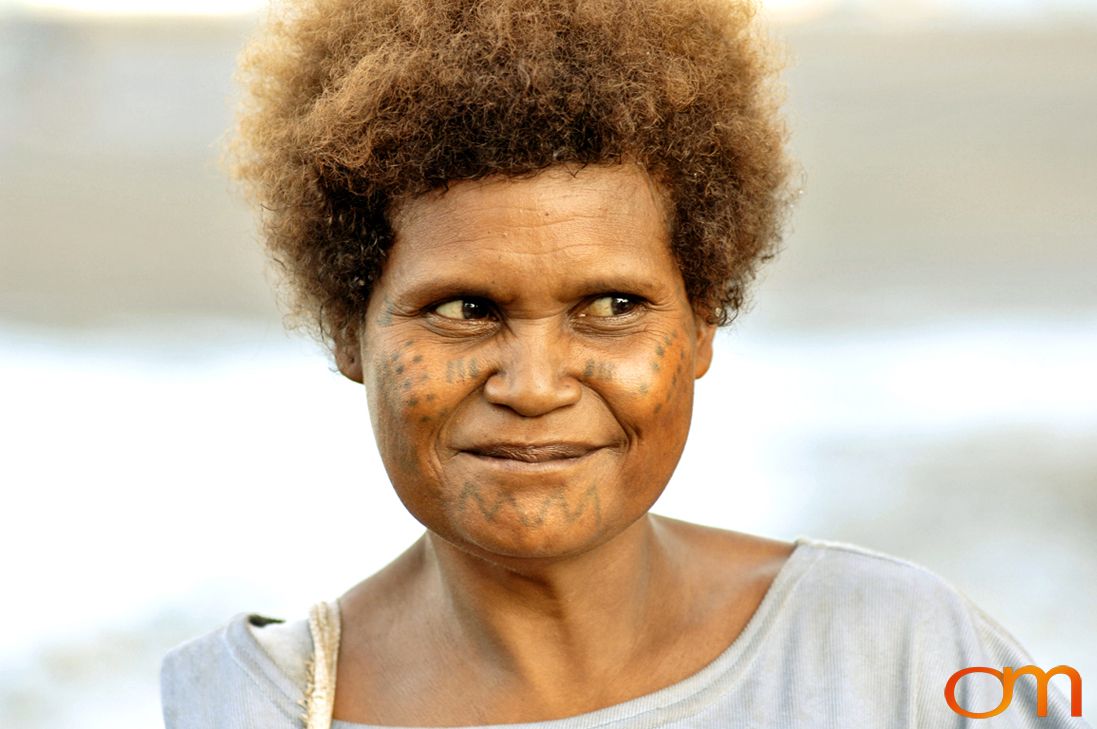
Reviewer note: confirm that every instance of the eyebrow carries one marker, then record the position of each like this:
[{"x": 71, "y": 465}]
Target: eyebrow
[{"x": 434, "y": 289}]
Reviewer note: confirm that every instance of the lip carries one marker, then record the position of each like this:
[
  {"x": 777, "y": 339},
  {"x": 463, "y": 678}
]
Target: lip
[{"x": 532, "y": 453}]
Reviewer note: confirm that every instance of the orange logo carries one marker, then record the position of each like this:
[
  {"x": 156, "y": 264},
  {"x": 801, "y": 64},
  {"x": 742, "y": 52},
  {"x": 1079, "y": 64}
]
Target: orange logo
[{"x": 1007, "y": 676}]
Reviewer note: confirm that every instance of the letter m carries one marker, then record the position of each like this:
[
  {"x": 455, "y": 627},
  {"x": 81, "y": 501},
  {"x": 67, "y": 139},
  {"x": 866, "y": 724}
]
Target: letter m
[{"x": 1010, "y": 676}]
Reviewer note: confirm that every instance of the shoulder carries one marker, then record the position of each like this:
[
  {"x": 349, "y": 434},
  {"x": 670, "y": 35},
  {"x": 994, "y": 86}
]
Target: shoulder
[
  {"x": 851, "y": 577},
  {"x": 844, "y": 579},
  {"x": 842, "y": 584},
  {"x": 889, "y": 631},
  {"x": 851, "y": 633},
  {"x": 249, "y": 672}
]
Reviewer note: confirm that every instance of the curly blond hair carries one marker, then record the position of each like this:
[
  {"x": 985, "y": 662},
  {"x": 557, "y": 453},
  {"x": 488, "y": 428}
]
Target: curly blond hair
[{"x": 352, "y": 106}]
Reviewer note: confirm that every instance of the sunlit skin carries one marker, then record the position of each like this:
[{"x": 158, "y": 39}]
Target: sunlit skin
[{"x": 528, "y": 356}]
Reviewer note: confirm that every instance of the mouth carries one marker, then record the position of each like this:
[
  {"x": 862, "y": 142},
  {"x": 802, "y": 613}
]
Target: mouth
[{"x": 539, "y": 453}]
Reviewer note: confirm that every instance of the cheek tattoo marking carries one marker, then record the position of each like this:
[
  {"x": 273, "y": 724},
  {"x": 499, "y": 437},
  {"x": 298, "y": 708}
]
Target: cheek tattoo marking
[
  {"x": 551, "y": 502},
  {"x": 458, "y": 370},
  {"x": 390, "y": 413},
  {"x": 599, "y": 370},
  {"x": 679, "y": 370},
  {"x": 385, "y": 319},
  {"x": 664, "y": 355}
]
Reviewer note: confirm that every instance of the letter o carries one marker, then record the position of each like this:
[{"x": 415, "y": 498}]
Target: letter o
[{"x": 950, "y": 693}]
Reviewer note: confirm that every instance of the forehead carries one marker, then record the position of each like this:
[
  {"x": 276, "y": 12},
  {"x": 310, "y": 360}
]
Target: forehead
[{"x": 600, "y": 220}]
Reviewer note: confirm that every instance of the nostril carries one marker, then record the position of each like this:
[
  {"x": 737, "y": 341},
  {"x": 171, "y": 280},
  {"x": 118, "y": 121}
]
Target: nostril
[
  {"x": 529, "y": 394},
  {"x": 532, "y": 370}
]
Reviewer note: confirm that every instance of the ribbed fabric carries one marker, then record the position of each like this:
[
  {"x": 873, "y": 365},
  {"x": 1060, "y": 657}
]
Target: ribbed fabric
[
  {"x": 324, "y": 629},
  {"x": 844, "y": 638}
]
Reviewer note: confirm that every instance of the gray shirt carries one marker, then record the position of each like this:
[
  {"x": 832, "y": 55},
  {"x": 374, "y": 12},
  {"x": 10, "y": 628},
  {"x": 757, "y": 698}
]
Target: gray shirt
[{"x": 843, "y": 638}]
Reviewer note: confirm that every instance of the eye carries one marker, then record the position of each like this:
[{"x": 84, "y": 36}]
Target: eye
[
  {"x": 611, "y": 305},
  {"x": 465, "y": 309}
]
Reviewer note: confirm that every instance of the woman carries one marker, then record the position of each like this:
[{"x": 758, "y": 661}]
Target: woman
[{"x": 518, "y": 224}]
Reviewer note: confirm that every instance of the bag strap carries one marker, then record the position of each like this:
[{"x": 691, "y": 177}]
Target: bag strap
[{"x": 320, "y": 692}]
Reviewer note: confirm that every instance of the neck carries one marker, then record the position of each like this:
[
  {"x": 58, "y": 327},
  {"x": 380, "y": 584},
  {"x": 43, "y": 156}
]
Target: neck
[{"x": 569, "y": 621}]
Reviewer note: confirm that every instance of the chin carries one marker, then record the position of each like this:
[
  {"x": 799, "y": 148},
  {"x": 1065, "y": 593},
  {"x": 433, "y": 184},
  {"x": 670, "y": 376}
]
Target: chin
[
  {"x": 556, "y": 514},
  {"x": 515, "y": 536},
  {"x": 509, "y": 537}
]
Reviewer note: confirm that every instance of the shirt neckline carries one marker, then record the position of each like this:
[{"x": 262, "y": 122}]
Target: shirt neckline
[{"x": 683, "y": 698}]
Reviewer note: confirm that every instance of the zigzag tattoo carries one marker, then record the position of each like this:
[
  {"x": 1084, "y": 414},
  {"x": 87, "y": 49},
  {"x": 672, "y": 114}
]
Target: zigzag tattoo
[{"x": 489, "y": 511}]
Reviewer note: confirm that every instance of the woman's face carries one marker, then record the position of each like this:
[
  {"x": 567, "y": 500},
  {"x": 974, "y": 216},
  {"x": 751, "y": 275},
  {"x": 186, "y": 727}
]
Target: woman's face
[{"x": 529, "y": 355}]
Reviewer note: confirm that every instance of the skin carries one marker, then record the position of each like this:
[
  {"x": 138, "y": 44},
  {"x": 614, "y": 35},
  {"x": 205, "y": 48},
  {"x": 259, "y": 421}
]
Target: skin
[{"x": 528, "y": 356}]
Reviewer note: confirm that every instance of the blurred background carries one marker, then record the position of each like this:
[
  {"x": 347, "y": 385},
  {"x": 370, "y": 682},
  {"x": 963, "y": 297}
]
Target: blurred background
[{"x": 916, "y": 375}]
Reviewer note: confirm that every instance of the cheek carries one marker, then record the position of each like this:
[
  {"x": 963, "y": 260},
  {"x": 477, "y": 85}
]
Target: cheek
[
  {"x": 672, "y": 386},
  {"x": 659, "y": 412},
  {"x": 659, "y": 379},
  {"x": 404, "y": 403}
]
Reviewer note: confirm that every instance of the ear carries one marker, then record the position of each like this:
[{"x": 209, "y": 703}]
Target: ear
[
  {"x": 702, "y": 350},
  {"x": 348, "y": 358}
]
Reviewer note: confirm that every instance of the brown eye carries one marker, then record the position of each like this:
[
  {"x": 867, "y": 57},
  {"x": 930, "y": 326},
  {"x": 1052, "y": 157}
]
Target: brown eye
[
  {"x": 612, "y": 305},
  {"x": 464, "y": 309}
]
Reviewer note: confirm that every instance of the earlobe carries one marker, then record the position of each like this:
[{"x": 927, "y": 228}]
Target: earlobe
[
  {"x": 348, "y": 359},
  {"x": 702, "y": 353}
]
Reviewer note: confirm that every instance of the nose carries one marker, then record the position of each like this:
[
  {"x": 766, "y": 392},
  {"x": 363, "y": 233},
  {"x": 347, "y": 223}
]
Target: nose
[{"x": 532, "y": 376}]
